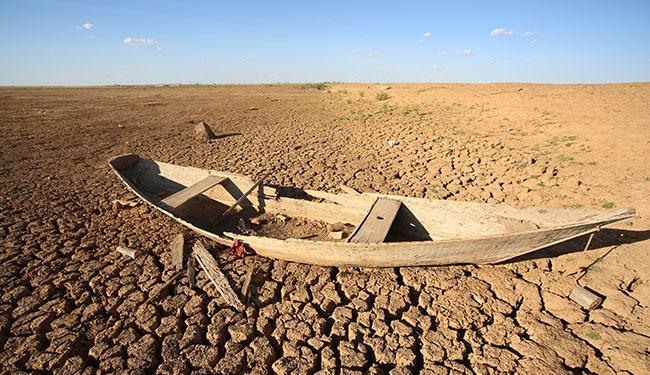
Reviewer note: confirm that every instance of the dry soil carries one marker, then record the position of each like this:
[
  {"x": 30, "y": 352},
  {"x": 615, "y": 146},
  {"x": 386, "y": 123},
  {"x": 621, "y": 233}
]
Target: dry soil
[{"x": 69, "y": 303}]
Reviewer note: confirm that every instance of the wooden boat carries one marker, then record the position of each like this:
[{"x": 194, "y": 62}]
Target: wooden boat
[{"x": 390, "y": 230}]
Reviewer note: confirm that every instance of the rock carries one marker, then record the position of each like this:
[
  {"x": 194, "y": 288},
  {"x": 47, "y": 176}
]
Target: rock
[
  {"x": 203, "y": 132},
  {"x": 335, "y": 227},
  {"x": 336, "y": 235}
]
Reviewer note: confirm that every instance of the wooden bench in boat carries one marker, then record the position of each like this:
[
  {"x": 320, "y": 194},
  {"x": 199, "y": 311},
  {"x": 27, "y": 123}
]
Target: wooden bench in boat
[
  {"x": 375, "y": 225},
  {"x": 177, "y": 199}
]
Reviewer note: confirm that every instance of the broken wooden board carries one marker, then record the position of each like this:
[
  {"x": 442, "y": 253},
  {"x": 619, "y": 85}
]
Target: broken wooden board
[
  {"x": 219, "y": 280},
  {"x": 156, "y": 292},
  {"x": 585, "y": 298},
  {"x": 375, "y": 226},
  {"x": 348, "y": 190},
  {"x": 246, "y": 194},
  {"x": 247, "y": 282},
  {"x": 177, "y": 246},
  {"x": 180, "y": 197}
]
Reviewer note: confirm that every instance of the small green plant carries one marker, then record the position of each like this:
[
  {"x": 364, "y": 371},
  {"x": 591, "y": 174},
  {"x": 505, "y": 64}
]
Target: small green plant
[
  {"x": 349, "y": 101},
  {"x": 385, "y": 108},
  {"x": 593, "y": 334},
  {"x": 540, "y": 184},
  {"x": 361, "y": 94},
  {"x": 382, "y": 96},
  {"x": 647, "y": 178},
  {"x": 608, "y": 205},
  {"x": 343, "y": 92}
]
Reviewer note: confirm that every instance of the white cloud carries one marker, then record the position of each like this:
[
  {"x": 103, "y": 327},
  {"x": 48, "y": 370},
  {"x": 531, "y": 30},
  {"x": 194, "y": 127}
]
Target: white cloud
[
  {"x": 442, "y": 53},
  {"x": 501, "y": 32},
  {"x": 534, "y": 41},
  {"x": 465, "y": 52},
  {"x": 528, "y": 33},
  {"x": 140, "y": 41},
  {"x": 376, "y": 54},
  {"x": 427, "y": 34},
  {"x": 436, "y": 67},
  {"x": 88, "y": 26},
  {"x": 504, "y": 62}
]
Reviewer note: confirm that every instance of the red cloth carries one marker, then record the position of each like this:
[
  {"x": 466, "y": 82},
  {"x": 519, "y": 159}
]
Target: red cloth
[{"x": 237, "y": 248}]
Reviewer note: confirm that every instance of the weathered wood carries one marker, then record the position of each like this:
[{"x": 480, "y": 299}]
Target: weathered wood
[
  {"x": 585, "y": 298},
  {"x": 177, "y": 247},
  {"x": 180, "y": 197},
  {"x": 156, "y": 292},
  {"x": 247, "y": 282},
  {"x": 191, "y": 272},
  {"x": 449, "y": 232},
  {"x": 348, "y": 190},
  {"x": 377, "y": 223},
  {"x": 127, "y": 251},
  {"x": 219, "y": 280},
  {"x": 591, "y": 237},
  {"x": 246, "y": 194}
]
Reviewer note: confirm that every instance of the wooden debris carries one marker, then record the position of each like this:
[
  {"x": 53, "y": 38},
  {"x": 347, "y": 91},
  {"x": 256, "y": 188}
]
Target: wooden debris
[
  {"x": 591, "y": 237},
  {"x": 585, "y": 298},
  {"x": 219, "y": 280},
  {"x": 191, "y": 272},
  {"x": 246, "y": 194},
  {"x": 156, "y": 292},
  {"x": 129, "y": 252},
  {"x": 241, "y": 225},
  {"x": 177, "y": 247},
  {"x": 348, "y": 190},
  {"x": 247, "y": 282},
  {"x": 377, "y": 223}
]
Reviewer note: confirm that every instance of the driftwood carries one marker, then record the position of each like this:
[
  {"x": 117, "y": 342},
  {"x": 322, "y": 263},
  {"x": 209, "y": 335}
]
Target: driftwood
[
  {"x": 585, "y": 298},
  {"x": 191, "y": 272},
  {"x": 435, "y": 232},
  {"x": 124, "y": 203},
  {"x": 156, "y": 292},
  {"x": 128, "y": 251},
  {"x": 219, "y": 280},
  {"x": 375, "y": 226},
  {"x": 177, "y": 246},
  {"x": 246, "y": 194}
]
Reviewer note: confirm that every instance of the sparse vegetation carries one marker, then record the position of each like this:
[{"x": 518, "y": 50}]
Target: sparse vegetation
[
  {"x": 318, "y": 86},
  {"x": 608, "y": 205},
  {"x": 382, "y": 96},
  {"x": 342, "y": 92},
  {"x": 361, "y": 94},
  {"x": 593, "y": 335}
]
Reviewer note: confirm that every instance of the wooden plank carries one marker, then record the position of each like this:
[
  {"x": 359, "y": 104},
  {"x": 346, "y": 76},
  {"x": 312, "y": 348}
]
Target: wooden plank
[
  {"x": 377, "y": 223},
  {"x": 349, "y": 190},
  {"x": 177, "y": 246},
  {"x": 246, "y": 194},
  {"x": 180, "y": 197},
  {"x": 219, "y": 280}
]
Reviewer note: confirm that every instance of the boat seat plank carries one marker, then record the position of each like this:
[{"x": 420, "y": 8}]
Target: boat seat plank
[
  {"x": 377, "y": 223},
  {"x": 180, "y": 197}
]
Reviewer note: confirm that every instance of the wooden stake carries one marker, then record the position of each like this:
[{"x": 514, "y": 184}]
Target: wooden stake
[
  {"x": 241, "y": 199},
  {"x": 247, "y": 282},
  {"x": 591, "y": 237},
  {"x": 191, "y": 272},
  {"x": 177, "y": 246},
  {"x": 585, "y": 298},
  {"x": 219, "y": 280}
]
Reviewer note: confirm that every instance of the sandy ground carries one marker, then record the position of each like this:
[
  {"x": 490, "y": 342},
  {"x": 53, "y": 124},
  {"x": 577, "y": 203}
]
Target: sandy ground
[{"x": 71, "y": 304}]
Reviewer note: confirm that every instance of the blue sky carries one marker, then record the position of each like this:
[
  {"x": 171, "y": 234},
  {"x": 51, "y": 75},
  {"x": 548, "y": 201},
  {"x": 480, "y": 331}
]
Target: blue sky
[{"x": 58, "y": 42}]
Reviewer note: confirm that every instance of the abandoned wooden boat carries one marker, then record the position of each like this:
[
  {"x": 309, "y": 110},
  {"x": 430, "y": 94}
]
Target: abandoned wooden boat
[{"x": 389, "y": 231}]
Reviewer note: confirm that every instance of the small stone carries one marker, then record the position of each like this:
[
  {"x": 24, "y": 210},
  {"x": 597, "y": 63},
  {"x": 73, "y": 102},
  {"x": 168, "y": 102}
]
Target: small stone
[{"x": 203, "y": 132}]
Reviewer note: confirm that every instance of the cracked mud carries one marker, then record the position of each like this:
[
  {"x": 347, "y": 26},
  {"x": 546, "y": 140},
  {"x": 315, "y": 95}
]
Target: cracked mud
[{"x": 70, "y": 304}]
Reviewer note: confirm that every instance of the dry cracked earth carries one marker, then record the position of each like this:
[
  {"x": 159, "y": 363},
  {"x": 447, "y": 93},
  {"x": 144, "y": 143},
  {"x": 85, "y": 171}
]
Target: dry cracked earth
[{"x": 70, "y": 304}]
